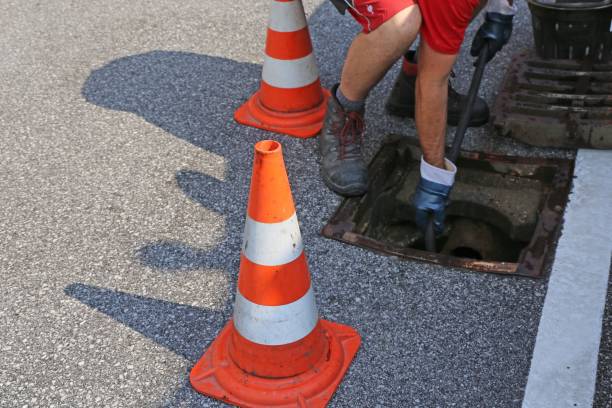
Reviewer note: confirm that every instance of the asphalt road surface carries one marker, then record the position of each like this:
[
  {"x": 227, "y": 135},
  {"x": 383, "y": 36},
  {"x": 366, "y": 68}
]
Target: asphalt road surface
[{"x": 123, "y": 191}]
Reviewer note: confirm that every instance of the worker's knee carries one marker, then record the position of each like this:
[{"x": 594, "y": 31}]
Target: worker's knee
[
  {"x": 400, "y": 30},
  {"x": 407, "y": 23}
]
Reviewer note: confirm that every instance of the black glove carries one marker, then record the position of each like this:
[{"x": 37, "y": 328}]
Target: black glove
[{"x": 495, "y": 31}]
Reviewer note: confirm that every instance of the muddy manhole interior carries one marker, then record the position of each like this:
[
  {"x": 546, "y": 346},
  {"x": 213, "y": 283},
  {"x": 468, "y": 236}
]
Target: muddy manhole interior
[{"x": 503, "y": 216}]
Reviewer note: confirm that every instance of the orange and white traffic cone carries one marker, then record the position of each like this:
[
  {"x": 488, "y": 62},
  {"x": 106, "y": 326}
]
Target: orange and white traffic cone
[
  {"x": 290, "y": 99},
  {"x": 276, "y": 352}
]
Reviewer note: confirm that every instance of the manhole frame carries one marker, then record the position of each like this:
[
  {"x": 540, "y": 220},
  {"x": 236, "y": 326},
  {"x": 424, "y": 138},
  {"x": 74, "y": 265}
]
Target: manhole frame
[{"x": 534, "y": 260}]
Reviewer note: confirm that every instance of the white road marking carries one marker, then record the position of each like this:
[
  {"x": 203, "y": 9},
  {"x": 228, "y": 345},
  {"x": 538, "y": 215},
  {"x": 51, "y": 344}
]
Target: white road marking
[{"x": 564, "y": 363}]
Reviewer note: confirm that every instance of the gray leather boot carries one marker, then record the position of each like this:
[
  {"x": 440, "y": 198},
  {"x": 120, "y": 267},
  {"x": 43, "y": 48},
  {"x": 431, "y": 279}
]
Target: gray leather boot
[{"x": 342, "y": 166}]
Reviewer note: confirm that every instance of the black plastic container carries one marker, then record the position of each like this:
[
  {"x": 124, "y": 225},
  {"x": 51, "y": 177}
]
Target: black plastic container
[{"x": 571, "y": 29}]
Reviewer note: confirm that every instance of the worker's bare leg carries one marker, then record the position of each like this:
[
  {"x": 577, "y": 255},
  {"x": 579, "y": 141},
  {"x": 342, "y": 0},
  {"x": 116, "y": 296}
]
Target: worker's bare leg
[
  {"x": 371, "y": 55},
  {"x": 431, "y": 102}
]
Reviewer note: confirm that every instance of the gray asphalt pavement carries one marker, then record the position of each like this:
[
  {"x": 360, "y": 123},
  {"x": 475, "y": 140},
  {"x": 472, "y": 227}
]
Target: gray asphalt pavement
[{"x": 123, "y": 190}]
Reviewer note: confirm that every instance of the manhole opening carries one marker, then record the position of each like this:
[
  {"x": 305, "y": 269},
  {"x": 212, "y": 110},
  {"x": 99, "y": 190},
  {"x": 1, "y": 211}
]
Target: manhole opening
[
  {"x": 502, "y": 217},
  {"x": 471, "y": 239},
  {"x": 466, "y": 252}
]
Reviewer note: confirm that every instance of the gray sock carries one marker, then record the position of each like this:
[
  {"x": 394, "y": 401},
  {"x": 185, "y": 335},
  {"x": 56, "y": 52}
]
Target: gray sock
[{"x": 347, "y": 104}]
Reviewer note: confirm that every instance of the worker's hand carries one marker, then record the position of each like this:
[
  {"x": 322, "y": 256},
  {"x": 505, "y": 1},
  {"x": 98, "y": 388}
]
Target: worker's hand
[
  {"x": 493, "y": 33},
  {"x": 432, "y": 193},
  {"x": 429, "y": 198}
]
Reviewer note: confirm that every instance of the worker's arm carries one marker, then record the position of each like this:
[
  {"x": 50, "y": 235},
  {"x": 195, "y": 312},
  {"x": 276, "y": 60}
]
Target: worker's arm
[
  {"x": 496, "y": 29},
  {"x": 437, "y": 173}
]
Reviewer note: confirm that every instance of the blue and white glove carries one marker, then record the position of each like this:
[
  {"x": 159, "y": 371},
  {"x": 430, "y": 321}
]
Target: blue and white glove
[{"x": 431, "y": 195}]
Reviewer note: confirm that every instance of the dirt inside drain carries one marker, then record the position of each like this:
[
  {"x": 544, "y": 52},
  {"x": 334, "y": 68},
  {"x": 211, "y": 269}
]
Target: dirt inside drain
[{"x": 503, "y": 216}]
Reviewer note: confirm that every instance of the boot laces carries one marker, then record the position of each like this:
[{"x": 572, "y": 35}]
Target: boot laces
[{"x": 350, "y": 135}]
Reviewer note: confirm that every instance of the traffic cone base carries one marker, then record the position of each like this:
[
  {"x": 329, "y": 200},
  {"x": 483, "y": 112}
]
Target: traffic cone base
[
  {"x": 301, "y": 124},
  {"x": 216, "y": 374},
  {"x": 290, "y": 99}
]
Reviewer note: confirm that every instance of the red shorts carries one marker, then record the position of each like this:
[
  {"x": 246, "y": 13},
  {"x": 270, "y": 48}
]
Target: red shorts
[
  {"x": 444, "y": 21},
  {"x": 372, "y": 13}
]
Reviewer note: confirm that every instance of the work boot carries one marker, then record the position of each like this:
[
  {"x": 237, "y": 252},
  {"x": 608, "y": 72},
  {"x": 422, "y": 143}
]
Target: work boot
[
  {"x": 401, "y": 102},
  {"x": 342, "y": 166}
]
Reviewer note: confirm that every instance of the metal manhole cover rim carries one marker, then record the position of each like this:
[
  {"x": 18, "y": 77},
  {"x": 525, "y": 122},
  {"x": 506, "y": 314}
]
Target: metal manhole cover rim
[{"x": 534, "y": 259}]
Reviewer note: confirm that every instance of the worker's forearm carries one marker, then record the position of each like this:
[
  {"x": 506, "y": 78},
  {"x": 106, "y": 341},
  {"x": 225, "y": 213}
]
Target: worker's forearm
[{"x": 431, "y": 101}]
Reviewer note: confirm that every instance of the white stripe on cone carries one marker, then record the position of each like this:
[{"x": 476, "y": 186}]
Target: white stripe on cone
[
  {"x": 272, "y": 244},
  {"x": 287, "y": 17},
  {"x": 289, "y": 74},
  {"x": 275, "y": 325}
]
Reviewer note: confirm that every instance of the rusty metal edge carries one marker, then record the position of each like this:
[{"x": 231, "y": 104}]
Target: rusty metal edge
[
  {"x": 502, "y": 116},
  {"x": 534, "y": 259},
  {"x": 549, "y": 224}
]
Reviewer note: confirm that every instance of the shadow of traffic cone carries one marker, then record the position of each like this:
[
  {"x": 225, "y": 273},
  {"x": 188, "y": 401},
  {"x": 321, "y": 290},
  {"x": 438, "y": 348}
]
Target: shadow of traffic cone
[
  {"x": 290, "y": 99},
  {"x": 276, "y": 352}
]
